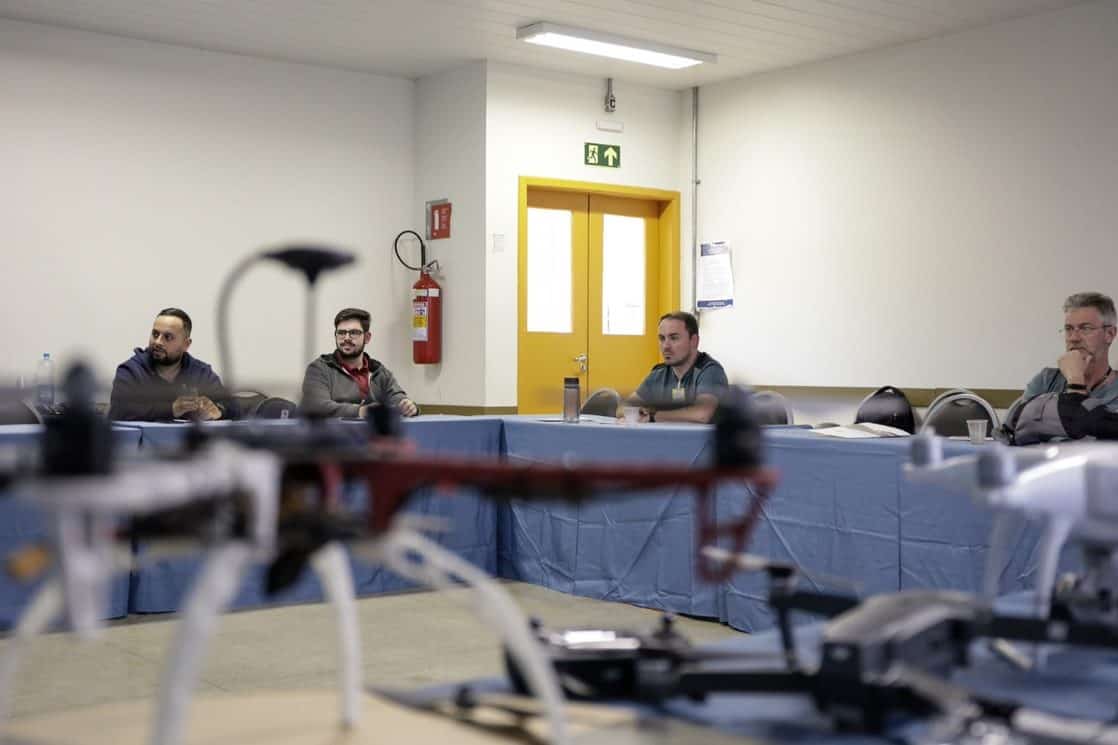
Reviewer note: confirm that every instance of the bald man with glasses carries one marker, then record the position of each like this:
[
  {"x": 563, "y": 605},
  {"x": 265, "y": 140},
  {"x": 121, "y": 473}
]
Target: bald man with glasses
[{"x": 347, "y": 381}]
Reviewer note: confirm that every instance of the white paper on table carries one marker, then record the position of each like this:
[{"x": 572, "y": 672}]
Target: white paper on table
[
  {"x": 862, "y": 430},
  {"x": 716, "y": 276}
]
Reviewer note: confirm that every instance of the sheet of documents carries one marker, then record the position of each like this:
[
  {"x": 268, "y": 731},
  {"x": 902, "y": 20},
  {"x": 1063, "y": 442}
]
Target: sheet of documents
[
  {"x": 716, "y": 276},
  {"x": 861, "y": 431}
]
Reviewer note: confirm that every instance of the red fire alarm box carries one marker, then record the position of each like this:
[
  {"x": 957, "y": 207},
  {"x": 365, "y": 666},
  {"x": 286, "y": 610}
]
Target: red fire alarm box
[{"x": 438, "y": 219}]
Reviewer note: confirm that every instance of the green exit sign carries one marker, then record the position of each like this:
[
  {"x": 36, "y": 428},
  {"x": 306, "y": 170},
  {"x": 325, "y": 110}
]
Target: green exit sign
[{"x": 601, "y": 154}]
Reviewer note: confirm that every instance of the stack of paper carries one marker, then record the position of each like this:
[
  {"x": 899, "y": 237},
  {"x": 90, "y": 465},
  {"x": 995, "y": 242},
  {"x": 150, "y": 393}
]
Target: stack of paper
[{"x": 862, "y": 430}]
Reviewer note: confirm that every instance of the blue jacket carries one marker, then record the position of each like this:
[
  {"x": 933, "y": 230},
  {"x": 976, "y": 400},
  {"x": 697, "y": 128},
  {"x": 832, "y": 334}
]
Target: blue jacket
[{"x": 140, "y": 394}]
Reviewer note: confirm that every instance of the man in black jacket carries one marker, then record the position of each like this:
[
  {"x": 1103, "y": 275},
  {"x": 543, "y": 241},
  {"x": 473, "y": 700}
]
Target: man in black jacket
[
  {"x": 163, "y": 382},
  {"x": 346, "y": 382}
]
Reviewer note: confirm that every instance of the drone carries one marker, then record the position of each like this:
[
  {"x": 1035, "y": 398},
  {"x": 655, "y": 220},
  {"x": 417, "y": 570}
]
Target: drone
[
  {"x": 883, "y": 660},
  {"x": 1072, "y": 488},
  {"x": 271, "y": 494}
]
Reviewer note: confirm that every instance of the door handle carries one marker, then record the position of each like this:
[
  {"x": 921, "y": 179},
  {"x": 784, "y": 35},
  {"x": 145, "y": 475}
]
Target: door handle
[{"x": 582, "y": 363}]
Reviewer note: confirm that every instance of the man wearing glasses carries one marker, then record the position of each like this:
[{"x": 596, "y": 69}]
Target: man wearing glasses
[
  {"x": 1084, "y": 368},
  {"x": 346, "y": 382}
]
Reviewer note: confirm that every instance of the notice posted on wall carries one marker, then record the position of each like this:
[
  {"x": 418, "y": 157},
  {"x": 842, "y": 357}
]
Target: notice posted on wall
[{"x": 716, "y": 277}]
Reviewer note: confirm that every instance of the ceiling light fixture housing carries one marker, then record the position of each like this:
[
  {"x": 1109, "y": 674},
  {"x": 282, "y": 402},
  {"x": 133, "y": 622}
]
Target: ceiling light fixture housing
[{"x": 611, "y": 45}]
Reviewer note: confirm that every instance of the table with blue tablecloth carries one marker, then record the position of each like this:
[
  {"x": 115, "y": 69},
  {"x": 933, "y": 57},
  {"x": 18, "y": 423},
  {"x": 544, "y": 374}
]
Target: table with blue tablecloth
[
  {"x": 843, "y": 509},
  {"x": 159, "y": 586},
  {"x": 22, "y": 524}
]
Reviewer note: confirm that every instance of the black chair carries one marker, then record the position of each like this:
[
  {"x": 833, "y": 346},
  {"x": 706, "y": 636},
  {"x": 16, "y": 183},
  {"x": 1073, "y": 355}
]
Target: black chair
[
  {"x": 772, "y": 408},
  {"x": 602, "y": 402},
  {"x": 948, "y": 414},
  {"x": 18, "y": 412},
  {"x": 247, "y": 401},
  {"x": 890, "y": 406},
  {"x": 276, "y": 408}
]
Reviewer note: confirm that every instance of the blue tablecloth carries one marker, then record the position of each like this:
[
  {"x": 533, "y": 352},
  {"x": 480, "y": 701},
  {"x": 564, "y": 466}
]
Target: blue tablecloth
[
  {"x": 160, "y": 586},
  {"x": 638, "y": 549},
  {"x": 843, "y": 509},
  {"x": 22, "y": 524}
]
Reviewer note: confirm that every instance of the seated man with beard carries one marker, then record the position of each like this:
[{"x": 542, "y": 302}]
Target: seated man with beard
[
  {"x": 347, "y": 381},
  {"x": 162, "y": 382}
]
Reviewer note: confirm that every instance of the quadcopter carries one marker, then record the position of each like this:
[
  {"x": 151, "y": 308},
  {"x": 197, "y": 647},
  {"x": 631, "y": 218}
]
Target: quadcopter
[
  {"x": 881, "y": 661},
  {"x": 1071, "y": 488}
]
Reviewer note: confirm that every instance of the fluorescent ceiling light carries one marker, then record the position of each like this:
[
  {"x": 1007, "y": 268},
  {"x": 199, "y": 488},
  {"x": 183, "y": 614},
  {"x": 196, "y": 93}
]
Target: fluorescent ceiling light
[{"x": 609, "y": 45}]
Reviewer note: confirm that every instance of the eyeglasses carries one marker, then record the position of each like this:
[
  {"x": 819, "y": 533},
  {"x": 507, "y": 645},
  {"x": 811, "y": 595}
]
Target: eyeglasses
[
  {"x": 343, "y": 333},
  {"x": 1083, "y": 329}
]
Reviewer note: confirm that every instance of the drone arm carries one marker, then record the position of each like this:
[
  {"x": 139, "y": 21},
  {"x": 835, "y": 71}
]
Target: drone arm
[
  {"x": 440, "y": 569},
  {"x": 1000, "y": 533},
  {"x": 218, "y": 581},
  {"x": 332, "y": 567},
  {"x": 44, "y": 607}
]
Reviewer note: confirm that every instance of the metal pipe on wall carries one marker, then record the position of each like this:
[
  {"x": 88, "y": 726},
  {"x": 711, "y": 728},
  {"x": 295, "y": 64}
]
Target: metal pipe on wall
[{"x": 694, "y": 198}]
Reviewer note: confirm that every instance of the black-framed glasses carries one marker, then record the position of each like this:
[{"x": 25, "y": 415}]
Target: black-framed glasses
[
  {"x": 353, "y": 333},
  {"x": 1083, "y": 329}
]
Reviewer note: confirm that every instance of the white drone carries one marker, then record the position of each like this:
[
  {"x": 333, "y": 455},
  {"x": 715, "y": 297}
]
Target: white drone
[{"x": 1072, "y": 488}]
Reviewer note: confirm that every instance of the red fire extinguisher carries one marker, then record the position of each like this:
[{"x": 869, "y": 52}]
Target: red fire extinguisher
[
  {"x": 426, "y": 307},
  {"x": 426, "y": 320}
]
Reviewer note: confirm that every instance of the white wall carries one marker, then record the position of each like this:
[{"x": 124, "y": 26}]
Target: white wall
[
  {"x": 916, "y": 215},
  {"x": 135, "y": 175},
  {"x": 450, "y": 164},
  {"x": 536, "y": 124}
]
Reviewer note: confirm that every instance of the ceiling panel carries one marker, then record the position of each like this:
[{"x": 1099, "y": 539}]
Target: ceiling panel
[{"x": 419, "y": 37}]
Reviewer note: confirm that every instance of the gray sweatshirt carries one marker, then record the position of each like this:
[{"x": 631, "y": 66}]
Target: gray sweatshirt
[{"x": 329, "y": 391}]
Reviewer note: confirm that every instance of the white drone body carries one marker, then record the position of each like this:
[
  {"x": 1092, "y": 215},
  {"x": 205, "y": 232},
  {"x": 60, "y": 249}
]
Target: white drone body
[{"x": 1072, "y": 488}]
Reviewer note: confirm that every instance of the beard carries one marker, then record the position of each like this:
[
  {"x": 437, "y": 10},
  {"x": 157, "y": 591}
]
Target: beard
[
  {"x": 162, "y": 358},
  {"x": 351, "y": 352}
]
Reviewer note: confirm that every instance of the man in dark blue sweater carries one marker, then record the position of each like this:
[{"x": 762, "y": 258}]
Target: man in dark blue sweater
[{"x": 163, "y": 382}]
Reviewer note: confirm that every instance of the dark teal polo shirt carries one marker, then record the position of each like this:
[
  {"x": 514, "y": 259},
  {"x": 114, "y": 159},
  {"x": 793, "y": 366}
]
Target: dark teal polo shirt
[{"x": 662, "y": 390}]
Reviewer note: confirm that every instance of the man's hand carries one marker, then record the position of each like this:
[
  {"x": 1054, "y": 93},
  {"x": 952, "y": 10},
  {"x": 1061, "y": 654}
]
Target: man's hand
[
  {"x": 408, "y": 407},
  {"x": 1073, "y": 364},
  {"x": 184, "y": 406},
  {"x": 644, "y": 416},
  {"x": 207, "y": 410}
]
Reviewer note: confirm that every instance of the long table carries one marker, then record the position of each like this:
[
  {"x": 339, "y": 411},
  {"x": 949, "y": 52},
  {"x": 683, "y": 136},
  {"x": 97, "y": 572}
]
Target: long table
[{"x": 843, "y": 509}]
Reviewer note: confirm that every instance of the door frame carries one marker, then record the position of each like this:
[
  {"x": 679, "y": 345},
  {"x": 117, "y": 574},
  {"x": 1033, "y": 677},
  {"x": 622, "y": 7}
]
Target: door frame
[{"x": 669, "y": 201}]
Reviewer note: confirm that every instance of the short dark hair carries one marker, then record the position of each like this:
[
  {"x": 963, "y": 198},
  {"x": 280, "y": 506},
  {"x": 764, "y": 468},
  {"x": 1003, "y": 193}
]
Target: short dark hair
[
  {"x": 180, "y": 314},
  {"x": 353, "y": 314},
  {"x": 689, "y": 321}
]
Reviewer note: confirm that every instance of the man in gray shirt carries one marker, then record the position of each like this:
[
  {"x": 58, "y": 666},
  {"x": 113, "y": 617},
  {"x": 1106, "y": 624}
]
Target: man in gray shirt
[
  {"x": 685, "y": 387},
  {"x": 346, "y": 382},
  {"x": 1084, "y": 369}
]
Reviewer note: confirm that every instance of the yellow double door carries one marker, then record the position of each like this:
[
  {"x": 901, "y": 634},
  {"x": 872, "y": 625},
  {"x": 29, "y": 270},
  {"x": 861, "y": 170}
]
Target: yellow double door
[{"x": 592, "y": 288}]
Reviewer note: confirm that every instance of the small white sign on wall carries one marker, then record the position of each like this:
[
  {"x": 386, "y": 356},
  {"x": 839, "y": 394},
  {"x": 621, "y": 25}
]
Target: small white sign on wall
[{"x": 716, "y": 277}]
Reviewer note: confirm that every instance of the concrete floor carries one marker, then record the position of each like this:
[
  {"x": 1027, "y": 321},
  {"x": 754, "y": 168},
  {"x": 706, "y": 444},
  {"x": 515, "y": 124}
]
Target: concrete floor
[{"x": 410, "y": 640}]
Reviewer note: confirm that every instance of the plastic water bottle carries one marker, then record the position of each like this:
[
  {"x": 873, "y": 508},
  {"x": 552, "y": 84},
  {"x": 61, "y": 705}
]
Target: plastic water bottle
[{"x": 44, "y": 382}]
